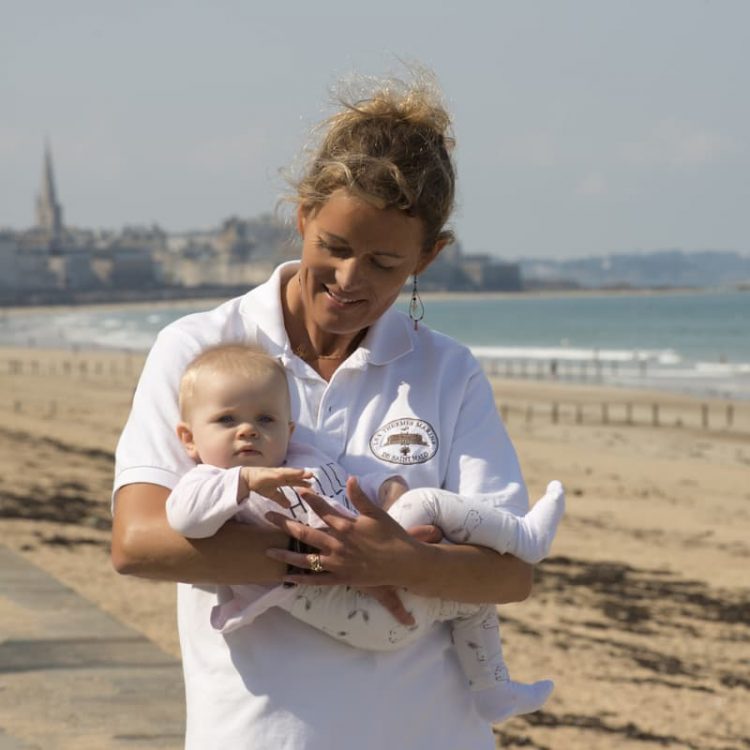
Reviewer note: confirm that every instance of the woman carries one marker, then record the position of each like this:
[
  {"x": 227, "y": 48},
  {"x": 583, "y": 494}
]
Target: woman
[{"x": 370, "y": 388}]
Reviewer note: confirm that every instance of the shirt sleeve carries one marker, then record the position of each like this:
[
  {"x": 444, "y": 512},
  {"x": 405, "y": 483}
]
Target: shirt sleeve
[
  {"x": 481, "y": 456},
  {"x": 149, "y": 450},
  {"x": 203, "y": 500}
]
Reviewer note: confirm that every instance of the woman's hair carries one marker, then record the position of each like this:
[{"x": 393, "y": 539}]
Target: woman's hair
[
  {"x": 239, "y": 359},
  {"x": 390, "y": 144}
]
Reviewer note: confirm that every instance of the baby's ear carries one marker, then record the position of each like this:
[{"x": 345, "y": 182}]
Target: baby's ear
[
  {"x": 291, "y": 428},
  {"x": 186, "y": 438}
]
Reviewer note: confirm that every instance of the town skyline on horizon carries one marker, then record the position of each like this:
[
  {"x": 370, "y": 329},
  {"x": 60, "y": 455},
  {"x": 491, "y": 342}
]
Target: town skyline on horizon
[
  {"x": 46, "y": 199},
  {"x": 589, "y": 129}
]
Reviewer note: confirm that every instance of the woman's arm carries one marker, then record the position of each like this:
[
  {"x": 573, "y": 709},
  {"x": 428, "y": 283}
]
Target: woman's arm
[
  {"x": 373, "y": 550},
  {"x": 144, "y": 545},
  {"x": 468, "y": 574}
]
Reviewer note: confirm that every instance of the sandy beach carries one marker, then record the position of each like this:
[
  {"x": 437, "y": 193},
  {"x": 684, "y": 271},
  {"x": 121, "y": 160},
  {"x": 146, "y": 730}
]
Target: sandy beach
[{"x": 641, "y": 614}]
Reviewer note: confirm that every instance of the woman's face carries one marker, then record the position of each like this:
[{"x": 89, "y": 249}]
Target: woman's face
[{"x": 356, "y": 259}]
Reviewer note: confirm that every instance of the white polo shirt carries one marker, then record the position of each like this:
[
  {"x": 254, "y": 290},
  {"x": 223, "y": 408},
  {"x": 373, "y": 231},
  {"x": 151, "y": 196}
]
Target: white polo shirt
[{"x": 412, "y": 401}]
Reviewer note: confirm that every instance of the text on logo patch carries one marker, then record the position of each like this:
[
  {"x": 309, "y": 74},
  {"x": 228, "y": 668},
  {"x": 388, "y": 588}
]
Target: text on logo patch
[{"x": 405, "y": 441}]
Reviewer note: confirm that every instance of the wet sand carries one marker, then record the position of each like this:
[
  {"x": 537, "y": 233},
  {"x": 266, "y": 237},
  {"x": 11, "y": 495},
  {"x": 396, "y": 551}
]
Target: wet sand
[{"x": 641, "y": 614}]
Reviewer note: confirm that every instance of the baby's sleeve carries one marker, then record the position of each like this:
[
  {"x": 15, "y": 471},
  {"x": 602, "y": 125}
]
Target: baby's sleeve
[{"x": 203, "y": 501}]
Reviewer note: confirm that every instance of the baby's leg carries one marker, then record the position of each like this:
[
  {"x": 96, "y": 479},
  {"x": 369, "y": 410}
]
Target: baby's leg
[
  {"x": 359, "y": 620},
  {"x": 481, "y": 519},
  {"x": 480, "y": 652},
  {"x": 342, "y": 612}
]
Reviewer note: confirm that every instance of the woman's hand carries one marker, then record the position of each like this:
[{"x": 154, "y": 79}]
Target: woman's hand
[{"x": 369, "y": 550}]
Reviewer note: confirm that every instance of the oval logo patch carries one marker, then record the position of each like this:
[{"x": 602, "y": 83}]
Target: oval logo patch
[{"x": 405, "y": 441}]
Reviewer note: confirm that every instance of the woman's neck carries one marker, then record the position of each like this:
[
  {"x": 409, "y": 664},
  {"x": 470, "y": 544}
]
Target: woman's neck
[{"x": 322, "y": 350}]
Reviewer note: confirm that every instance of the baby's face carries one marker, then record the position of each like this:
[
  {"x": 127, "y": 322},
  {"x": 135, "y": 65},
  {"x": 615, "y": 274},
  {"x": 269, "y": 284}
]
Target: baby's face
[{"x": 240, "y": 421}]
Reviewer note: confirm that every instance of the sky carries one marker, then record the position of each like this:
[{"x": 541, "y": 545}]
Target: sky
[{"x": 583, "y": 127}]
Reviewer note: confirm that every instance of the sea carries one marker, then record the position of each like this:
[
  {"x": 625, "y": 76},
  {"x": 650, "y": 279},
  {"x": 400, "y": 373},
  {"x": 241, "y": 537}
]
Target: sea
[{"x": 691, "y": 342}]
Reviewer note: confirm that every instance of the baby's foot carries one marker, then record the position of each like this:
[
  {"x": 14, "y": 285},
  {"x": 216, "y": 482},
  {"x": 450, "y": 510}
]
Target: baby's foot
[
  {"x": 510, "y": 698},
  {"x": 537, "y": 528}
]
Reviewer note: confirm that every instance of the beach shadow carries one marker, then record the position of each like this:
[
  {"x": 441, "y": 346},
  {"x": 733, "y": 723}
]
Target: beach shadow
[
  {"x": 67, "y": 504},
  {"x": 644, "y": 618},
  {"x": 20, "y": 438},
  {"x": 631, "y": 597},
  {"x": 599, "y": 725}
]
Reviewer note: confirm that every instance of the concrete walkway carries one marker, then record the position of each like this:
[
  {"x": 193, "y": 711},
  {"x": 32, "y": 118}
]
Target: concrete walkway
[{"x": 73, "y": 677}]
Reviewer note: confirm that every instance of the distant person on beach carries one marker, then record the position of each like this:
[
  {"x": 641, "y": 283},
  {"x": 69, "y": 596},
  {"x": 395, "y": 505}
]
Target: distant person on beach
[
  {"x": 236, "y": 423},
  {"x": 375, "y": 390}
]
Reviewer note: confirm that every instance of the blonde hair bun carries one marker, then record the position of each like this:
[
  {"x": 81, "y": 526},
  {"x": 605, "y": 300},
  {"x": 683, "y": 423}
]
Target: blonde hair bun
[{"x": 389, "y": 143}]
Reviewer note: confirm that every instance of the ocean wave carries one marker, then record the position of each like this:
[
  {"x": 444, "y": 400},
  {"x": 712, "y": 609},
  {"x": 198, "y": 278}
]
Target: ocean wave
[{"x": 577, "y": 354}]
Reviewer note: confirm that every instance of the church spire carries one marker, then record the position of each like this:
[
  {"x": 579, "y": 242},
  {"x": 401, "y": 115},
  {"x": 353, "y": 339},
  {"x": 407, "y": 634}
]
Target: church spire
[{"x": 48, "y": 210}]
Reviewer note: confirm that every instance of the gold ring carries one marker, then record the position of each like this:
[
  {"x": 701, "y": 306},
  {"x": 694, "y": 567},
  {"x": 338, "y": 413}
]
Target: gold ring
[{"x": 313, "y": 560}]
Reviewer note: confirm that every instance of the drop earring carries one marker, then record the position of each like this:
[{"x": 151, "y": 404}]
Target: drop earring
[{"x": 416, "y": 308}]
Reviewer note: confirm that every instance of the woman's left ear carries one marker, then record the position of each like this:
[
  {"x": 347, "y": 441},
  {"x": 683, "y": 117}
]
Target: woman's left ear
[{"x": 425, "y": 260}]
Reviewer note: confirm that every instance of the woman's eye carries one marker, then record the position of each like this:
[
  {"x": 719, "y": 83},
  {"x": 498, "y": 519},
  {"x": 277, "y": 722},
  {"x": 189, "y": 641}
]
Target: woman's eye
[
  {"x": 337, "y": 252},
  {"x": 380, "y": 264},
  {"x": 385, "y": 265}
]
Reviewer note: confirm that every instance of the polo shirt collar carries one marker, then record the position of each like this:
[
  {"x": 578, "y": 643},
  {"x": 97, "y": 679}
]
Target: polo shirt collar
[
  {"x": 389, "y": 338},
  {"x": 262, "y": 315}
]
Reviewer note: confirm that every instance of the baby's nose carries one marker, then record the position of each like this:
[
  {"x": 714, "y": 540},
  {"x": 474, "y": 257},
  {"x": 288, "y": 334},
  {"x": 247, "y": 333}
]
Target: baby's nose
[{"x": 247, "y": 428}]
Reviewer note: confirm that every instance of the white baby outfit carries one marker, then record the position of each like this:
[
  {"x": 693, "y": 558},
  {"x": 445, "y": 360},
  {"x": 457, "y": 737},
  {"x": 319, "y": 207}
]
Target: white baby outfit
[
  {"x": 206, "y": 498},
  {"x": 414, "y": 402}
]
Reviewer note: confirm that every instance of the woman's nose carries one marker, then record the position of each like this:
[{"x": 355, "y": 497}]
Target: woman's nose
[{"x": 347, "y": 274}]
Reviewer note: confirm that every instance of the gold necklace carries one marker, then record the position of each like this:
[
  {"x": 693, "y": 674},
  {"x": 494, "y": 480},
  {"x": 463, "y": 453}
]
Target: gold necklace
[
  {"x": 302, "y": 353},
  {"x": 310, "y": 355}
]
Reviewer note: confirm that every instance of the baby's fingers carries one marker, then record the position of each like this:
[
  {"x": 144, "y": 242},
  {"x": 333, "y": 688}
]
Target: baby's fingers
[{"x": 295, "y": 477}]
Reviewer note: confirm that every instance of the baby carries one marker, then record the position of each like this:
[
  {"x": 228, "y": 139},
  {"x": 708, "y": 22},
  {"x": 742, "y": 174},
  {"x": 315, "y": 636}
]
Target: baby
[{"x": 236, "y": 424}]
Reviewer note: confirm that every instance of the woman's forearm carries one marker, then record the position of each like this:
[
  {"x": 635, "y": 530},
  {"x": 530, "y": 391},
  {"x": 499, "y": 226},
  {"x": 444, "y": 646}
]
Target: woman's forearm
[
  {"x": 371, "y": 549},
  {"x": 144, "y": 545},
  {"x": 468, "y": 574}
]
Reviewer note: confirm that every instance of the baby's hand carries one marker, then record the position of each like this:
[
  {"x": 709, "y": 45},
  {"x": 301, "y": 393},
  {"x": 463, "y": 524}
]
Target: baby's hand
[{"x": 268, "y": 482}]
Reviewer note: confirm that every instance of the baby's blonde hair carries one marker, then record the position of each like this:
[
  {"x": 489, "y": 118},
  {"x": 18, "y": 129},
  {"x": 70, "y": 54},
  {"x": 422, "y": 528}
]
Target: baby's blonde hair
[{"x": 240, "y": 359}]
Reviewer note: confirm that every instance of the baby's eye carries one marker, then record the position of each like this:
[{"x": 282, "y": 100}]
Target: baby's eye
[
  {"x": 225, "y": 419},
  {"x": 266, "y": 419}
]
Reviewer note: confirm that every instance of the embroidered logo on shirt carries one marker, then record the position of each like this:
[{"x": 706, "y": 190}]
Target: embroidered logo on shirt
[{"x": 405, "y": 441}]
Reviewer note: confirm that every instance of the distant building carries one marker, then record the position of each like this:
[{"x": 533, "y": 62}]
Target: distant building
[
  {"x": 489, "y": 274},
  {"x": 51, "y": 262},
  {"x": 8, "y": 254},
  {"x": 48, "y": 210},
  {"x": 454, "y": 271},
  {"x": 240, "y": 252}
]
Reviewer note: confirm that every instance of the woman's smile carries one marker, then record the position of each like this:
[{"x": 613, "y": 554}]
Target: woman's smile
[
  {"x": 356, "y": 259},
  {"x": 341, "y": 300}
]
